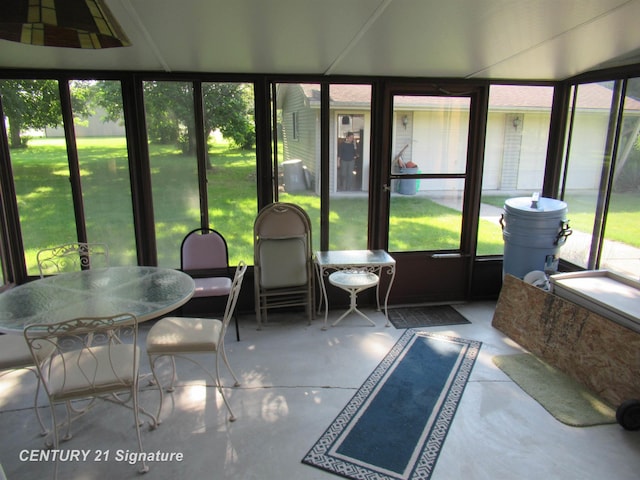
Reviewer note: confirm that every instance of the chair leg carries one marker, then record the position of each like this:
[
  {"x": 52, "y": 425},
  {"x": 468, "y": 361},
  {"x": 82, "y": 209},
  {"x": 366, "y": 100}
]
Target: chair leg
[
  {"x": 56, "y": 442},
  {"x": 261, "y": 312},
  {"x": 353, "y": 307},
  {"x": 215, "y": 379},
  {"x": 232, "y": 417},
  {"x": 152, "y": 363},
  {"x": 237, "y": 328},
  {"x": 70, "y": 410},
  {"x": 172, "y": 387},
  {"x": 311, "y": 308},
  {"x": 43, "y": 429},
  {"x": 226, "y": 361},
  {"x": 52, "y": 439},
  {"x": 136, "y": 418},
  {"x": 258, "y": 314}
]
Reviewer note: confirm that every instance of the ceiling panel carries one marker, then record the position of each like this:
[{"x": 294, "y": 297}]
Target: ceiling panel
[
  {"x": 505, "y": 39},
  {"x": 468, "y": 39}
]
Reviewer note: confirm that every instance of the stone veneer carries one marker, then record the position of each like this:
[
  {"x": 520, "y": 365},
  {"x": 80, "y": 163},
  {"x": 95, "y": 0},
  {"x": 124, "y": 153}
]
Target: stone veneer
[{"x": 601, "y": 354}]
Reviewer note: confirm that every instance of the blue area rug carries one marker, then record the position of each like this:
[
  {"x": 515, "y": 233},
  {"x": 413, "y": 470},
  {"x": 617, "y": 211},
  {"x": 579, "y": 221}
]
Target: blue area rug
[{"x": 395, "y": 425}]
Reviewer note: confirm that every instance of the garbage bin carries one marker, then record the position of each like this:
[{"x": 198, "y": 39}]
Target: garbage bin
[
  {"x": 293, "y": 172},
  {"x": 409, "y": 186},
  {"x": 533, "y": 228}
]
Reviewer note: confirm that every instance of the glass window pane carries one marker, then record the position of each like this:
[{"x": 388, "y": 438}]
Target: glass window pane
[
  {"x": 585, "y": 160},
  {"x": 174, "y": 169},
  {"x": 430, "y": 137},
  {"x": 430, "y": 221},
  {"x": 350, "y": 139},
  {"x": 515, "y": 154},
  {"x": 298, "y": 149},
  {"x": 2, "y": 256},
  {"x": 299, "y": 158},
  {"x": 620, "y": 251},
  {"x": 231, "y": 165},
  {"x": 431, "y": 132},
  {"x": 40, "y": 165},
  {"x": 104, "y": 171}
]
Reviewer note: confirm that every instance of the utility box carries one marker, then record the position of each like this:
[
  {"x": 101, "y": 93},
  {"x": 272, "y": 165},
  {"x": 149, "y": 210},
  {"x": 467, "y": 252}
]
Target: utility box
[{"x": 293, "y": 174}]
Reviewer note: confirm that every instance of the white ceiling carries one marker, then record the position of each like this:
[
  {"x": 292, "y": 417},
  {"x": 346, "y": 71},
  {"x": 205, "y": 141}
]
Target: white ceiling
[{"x": 495, "y": 39}]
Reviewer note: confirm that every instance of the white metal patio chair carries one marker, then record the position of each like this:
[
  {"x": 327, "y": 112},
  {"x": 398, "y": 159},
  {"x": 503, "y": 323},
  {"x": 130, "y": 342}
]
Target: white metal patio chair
[
  {"x": 72, "y": 257},
  {"x": 89, "y": 359},
  {"x": 183, "y": 337}
]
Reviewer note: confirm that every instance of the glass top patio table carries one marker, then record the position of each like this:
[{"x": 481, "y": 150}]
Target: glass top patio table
[
  {"x": 354, "y": 258},
  {"x": 146, "y": 292}
]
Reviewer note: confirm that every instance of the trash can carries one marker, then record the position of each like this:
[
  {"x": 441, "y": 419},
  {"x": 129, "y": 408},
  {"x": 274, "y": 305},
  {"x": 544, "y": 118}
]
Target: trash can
[
  {"x": 294, "y": 178},
  {"x": 533, "y": 228},
  {"x": 409, "y": 186}
]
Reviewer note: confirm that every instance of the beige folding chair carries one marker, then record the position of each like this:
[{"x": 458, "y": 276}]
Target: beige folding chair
[
  {"x": 16, "y": 355},
  {"x": 183, "y": 337},
  {"x": 72, "y": 257},
  {"x": 283, "y": 260},
  {"x": 205, "y": 256},
  {"x": 89, "y": 359}
]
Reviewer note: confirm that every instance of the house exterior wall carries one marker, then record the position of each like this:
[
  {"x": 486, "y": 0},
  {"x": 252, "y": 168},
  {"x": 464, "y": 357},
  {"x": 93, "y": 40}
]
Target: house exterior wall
[
  {"x": 436, "y": 142},
  {"x": 494, "y": 150},
  {"x": 300, "y": 141},
  {"x": 92, "y": 127},
  {"x": 515, "y": 156},
  {"x": 440, "y": 145},
  {"x": 533, "y": 150},
  {"x": 587, "y": 150}
]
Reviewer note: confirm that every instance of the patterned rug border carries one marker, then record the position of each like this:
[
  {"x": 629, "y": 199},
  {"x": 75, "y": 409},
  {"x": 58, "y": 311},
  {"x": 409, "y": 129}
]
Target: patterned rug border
[{"x": 432, "y": 443}]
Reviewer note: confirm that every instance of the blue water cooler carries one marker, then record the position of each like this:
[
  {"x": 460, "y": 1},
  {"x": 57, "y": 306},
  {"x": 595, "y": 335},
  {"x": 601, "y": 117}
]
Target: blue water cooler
[{"x": 533, "y": 228}]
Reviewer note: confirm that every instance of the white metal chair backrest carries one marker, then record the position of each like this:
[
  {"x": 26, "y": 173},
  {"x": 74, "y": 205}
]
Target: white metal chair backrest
[
  {"x": 72, "y": 257},
  {"x": 83, "y": 353},
  {"x": 89, "y": 358},
  {"x": 236, "y": 285}
]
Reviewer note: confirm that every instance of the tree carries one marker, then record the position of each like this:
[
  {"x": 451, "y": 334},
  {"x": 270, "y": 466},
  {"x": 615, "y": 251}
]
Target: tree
[
  {"x": 35, "y": 104},
  {"x": 169, "y": 109},
  {"x": 30, "y": 104},
  {"x": 228, "y": 107}
]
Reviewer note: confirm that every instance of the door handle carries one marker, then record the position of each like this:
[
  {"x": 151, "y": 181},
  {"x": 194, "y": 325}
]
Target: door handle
[{"x": 386, "y": 188}]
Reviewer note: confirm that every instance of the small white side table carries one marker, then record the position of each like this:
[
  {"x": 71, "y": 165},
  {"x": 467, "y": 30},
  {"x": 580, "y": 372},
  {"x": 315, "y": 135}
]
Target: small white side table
[
  {"x": 377, "y": 262},
  {"x": 353, "y": 282}
]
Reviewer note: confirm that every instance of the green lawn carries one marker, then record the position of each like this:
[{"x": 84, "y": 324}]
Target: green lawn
[{"x": 44, "y": 199}]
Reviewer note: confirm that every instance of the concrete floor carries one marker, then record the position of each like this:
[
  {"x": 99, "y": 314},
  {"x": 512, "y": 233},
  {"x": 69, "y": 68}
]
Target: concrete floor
[{"x": 295, "y": 379}]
